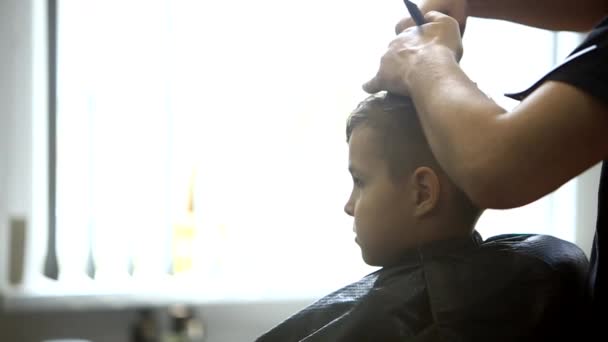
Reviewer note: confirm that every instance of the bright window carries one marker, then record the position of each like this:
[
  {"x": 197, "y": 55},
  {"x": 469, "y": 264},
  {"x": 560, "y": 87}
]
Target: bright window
[{"x": 251, "y": 97}]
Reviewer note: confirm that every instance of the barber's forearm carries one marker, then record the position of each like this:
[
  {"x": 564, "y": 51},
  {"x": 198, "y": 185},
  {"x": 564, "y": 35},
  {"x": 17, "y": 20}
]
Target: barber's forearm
[
  {"x": 457, "y": 119},
  {"x": 568, "y": 15},
  {"x": 504, "y": 160}
]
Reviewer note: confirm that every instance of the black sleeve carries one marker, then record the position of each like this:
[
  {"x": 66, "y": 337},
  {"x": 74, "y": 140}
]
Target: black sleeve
[{"x": 586, "y": 68}]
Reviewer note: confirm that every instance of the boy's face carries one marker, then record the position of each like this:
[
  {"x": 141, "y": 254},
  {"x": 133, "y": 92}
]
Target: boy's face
[{"x": 381, "y": 206}]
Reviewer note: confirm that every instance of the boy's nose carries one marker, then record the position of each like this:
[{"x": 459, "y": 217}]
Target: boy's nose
[{"x": 348, "y": 208}]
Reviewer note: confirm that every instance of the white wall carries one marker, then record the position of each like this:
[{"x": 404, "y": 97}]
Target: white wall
[
  {"x": 15, "y": 101},
  {"x": 3, "y": 128},
  {"x": 23, "y": 123},
  {"x": 15, "y": 112}
]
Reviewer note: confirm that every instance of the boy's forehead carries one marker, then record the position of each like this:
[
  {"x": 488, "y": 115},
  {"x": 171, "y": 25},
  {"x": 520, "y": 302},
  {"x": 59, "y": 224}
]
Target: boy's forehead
[
  {"x": 362, "y": 138},
  {"x": 363, "y": 146}
]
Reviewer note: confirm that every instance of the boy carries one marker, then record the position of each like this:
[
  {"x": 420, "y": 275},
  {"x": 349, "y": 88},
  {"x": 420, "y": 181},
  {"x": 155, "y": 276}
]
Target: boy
[
  {"x": 401, "y": 199},
  {"x": 438, "y": 280}
]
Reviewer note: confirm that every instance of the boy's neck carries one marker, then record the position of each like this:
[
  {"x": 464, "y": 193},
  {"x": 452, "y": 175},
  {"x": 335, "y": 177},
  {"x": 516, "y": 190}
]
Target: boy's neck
[
  {"x": 443, "y": 246},
  {"x": 441, "y": 230}
]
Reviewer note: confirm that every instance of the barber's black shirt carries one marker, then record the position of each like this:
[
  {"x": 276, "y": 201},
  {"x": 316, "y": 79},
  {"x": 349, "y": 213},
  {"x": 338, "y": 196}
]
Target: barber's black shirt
[{"x": 587, "y": 69}]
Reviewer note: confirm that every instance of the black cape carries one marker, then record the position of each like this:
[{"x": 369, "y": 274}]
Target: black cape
[{"x": 508, "y": 288}]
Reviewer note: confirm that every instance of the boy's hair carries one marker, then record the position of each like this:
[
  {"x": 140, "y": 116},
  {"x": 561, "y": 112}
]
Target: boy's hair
[{"x": 400, "y": 139}]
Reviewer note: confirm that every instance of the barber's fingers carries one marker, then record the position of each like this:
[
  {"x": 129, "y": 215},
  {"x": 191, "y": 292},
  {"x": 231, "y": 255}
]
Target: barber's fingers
[
  {"x": 388, "y": 77},
  {"x": 431, "y": 17},
  {"x": 372, "y": 86},
  {"x": 438, "y": 17},
  {"x": 403, "y": 24},
  {"x": 447, "y": 30},
  {"x": 440, "y": 30},
  {"x": 460, "y": 17},
  {"x": 456, "y": 9}
]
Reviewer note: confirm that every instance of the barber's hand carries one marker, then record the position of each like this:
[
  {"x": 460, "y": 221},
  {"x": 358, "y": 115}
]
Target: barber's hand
[
  {"x": 417, "y": 50},
  {"x": 456, "y": 9}
]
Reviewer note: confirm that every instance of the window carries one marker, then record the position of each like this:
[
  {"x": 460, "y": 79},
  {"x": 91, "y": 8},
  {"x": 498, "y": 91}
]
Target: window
[{"x": 209, "y": 137}]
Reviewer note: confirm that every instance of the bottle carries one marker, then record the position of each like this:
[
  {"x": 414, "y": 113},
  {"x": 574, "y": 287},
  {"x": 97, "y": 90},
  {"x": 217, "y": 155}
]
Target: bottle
[{"x": 185, "y": 326}]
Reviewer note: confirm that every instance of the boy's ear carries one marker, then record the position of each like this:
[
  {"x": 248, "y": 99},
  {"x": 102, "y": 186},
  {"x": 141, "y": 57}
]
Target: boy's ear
[{"x": 426, "y": 189}]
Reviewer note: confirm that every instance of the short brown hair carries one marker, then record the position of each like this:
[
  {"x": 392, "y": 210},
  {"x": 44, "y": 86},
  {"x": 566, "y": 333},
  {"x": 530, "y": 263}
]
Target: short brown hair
[{"x": 401, "y": 141}]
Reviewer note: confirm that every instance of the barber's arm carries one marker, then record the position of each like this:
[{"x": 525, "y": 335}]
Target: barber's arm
[
  {"x": 500, "y": 159},
  {"x": 557, "y": 15},
  {"x": 565, "y": 15}
]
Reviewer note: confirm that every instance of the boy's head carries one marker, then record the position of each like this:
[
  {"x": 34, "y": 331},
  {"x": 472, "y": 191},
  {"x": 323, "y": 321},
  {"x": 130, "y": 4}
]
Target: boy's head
[{"x": 401, "y": 198}]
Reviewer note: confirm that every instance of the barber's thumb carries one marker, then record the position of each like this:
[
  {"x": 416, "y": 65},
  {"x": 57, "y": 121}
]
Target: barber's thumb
[
  {"x": 435, "y": 16},
  {"x": 404, "y": 24},
  {"x": 372, "y": 86}
]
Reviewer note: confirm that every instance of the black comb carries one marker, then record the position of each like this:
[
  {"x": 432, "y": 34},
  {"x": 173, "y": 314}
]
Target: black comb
[{"x": 415, "y": 13}]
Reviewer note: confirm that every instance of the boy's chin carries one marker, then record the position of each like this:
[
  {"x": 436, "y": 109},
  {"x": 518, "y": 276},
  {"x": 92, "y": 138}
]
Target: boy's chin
[{"x": 371, "y": 260}]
